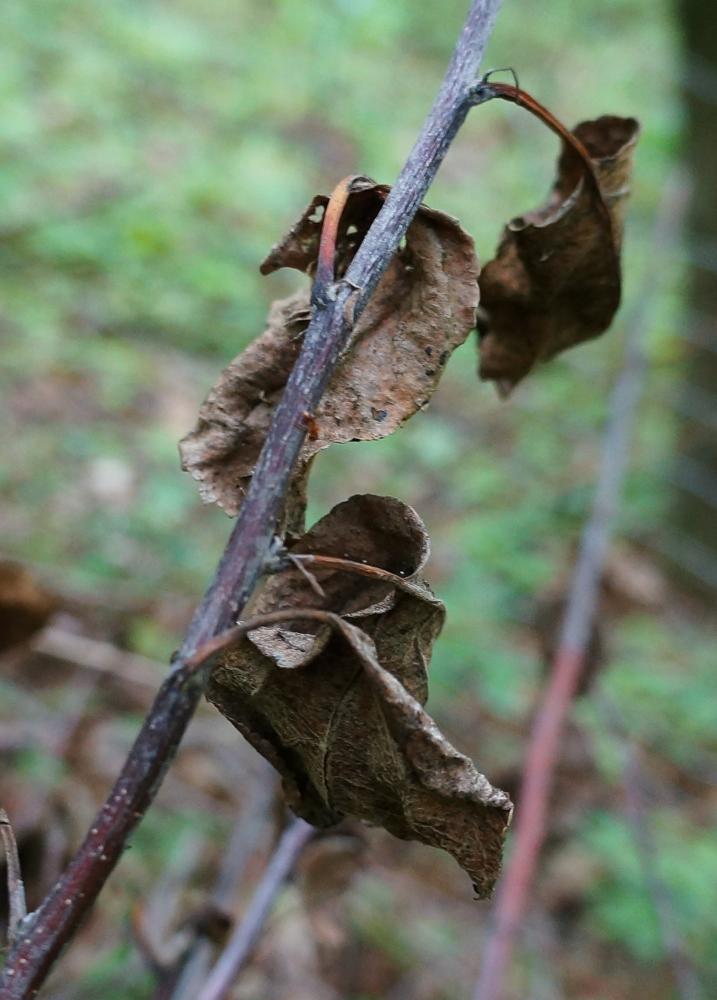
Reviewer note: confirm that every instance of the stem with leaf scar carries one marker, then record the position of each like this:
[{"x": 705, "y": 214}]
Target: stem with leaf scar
[{"x": 48, "y": 930}]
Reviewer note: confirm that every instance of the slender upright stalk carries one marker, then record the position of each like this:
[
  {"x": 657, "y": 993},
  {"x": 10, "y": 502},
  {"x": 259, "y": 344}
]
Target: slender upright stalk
[
  {"x": 246, "y": 934},
  {"x": 543, "y": 750},
  {"x": 241, "y": 565}
]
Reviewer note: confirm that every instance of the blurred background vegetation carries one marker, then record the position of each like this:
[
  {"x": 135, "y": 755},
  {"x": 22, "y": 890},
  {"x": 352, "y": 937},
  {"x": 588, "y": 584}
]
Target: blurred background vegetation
[{"x": 152, "y": 152}]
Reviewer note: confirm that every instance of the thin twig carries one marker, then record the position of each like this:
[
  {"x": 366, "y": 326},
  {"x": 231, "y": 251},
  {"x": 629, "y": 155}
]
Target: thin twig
[
  {"x": 684, "y": 974},
  {"x": 544, "y": 744},
  {"x": 15, "y": 886},
  {"x": 252, "y": 827},
  {"x": 207, "y": 654},
  {"x": 486, "y": 91},
  {"x": 97, "y": 657},
  {"x": 242, "y": 942},
  {"x": 242, "y": 564},
  {"x": 154, "y": 918}
]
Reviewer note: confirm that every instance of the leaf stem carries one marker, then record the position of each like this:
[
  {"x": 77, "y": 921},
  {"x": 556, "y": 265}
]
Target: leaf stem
[
  {"x": 486, "y": 91},
  {"x": 324, "y": 275}
]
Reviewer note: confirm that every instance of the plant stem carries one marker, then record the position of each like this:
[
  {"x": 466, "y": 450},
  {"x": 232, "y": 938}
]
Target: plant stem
[
  {"x": 246, "y": 934},
  {"x": 543, "y": 752},
  {"x": 242, "y": 563}
]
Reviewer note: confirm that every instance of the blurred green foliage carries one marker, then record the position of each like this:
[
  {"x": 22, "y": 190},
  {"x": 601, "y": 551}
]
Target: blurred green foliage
[
  {"x": 151, "y": 154},
  {"x": 685, "y": 862}
]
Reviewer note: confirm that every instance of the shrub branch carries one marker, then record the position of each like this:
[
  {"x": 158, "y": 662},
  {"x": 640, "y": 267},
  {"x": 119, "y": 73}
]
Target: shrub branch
[{"x": 243, "y": 562}]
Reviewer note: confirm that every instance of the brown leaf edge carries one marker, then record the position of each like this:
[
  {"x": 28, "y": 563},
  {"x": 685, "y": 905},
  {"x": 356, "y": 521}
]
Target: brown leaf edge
[
  {"x": 221, "y": 451},
  {"x": 446, "y": 802},
  {"x": 371, "y": 533},
  {"x": 287, "y": 714},
  {"x": 454, "y": 806},
  {"x": 311, "y": 709},
  {"x": 423, "y": 308}
]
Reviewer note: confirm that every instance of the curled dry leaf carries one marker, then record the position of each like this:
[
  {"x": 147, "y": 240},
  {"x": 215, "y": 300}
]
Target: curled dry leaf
[
  {"x": 340, "y": 716},
  {"x": 422, "y": 309},
  {"x": 555, "y": 281},
  {"x": 221, "y": 451},
  {"x": 375, "y": 531}
]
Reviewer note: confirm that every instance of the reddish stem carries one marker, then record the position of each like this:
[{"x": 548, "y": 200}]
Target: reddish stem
[
  {"x": 531, "y": 820},
  {"x": 324, "y": 275},
  {"x": 508, "y": 92},
  {"x": 543, "y": 750}
]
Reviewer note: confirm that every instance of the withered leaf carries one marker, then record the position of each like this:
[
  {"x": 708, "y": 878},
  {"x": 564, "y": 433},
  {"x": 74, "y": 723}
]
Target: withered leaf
[
  {"x": 423, "y": 308},
  {"x": 221, "y": 451},
  {"x": 340, "y": 716},
  {"x": 555, "y": 281}
]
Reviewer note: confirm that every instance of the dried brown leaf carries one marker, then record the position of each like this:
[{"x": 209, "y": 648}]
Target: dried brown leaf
[
  {"x": 376, "y": 531},
  {"x": 340, "y": 716},
  {"x": 555, "y": 281},
  {"x": 424, "y": 307},
  {"x": 221, "y": 451}
]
